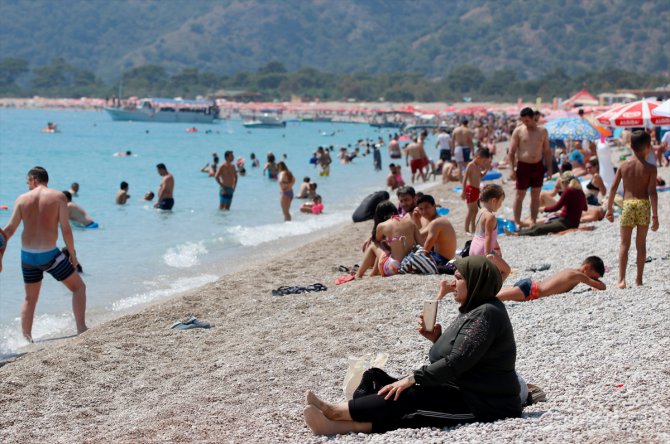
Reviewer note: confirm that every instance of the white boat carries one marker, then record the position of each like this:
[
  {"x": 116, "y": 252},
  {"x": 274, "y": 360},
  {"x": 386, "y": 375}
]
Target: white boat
[
  {"x": 264, "y": 121},
  {"x": 167, "y": 111}
]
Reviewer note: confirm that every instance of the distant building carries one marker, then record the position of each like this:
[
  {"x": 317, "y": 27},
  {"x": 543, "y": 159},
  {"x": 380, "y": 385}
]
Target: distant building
[{"x": 661, "y": 93}]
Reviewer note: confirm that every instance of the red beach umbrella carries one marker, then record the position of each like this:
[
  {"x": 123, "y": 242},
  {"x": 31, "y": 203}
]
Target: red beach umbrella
[{"x": 633, "y": 115}]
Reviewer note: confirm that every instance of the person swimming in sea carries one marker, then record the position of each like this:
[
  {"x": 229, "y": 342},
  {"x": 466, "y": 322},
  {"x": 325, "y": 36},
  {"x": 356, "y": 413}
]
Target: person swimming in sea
[{"x": 271, "y": 167}]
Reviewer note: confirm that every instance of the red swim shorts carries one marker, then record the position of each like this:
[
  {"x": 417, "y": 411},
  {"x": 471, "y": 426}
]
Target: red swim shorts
[
  {"x": 529, "y": 175},
  {"x": 471, "y": 194},
  {"x": 417, "y": 164}
]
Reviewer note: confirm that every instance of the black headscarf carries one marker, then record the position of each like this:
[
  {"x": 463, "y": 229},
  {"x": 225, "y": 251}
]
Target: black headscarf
[{"x": 482, "y": 279}]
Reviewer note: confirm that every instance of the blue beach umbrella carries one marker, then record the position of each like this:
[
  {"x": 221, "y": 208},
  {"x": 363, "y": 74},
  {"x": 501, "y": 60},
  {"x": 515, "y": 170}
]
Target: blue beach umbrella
[{"x": 570, "y": 128}]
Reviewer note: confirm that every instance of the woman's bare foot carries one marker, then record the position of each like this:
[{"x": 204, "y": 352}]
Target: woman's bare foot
[
  {"x": 320, "y": 425},
  {"x": 622, "y": 284},
  {"x": 510, "y": 233},
  {"x": 324, "y": 407}
]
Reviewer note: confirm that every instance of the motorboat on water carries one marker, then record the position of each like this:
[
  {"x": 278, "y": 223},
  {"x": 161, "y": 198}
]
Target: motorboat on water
[
  {"x": 167, "y": 111},
  {"x": 264, "y": 121}
]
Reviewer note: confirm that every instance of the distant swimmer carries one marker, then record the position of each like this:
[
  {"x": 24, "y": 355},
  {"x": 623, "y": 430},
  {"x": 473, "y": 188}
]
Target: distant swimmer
[
  {"x": 314, "y": 207},
  {"x": 149, "y": 196},
  {"x": 192, "y": 130},
  {"x": 42, "y": 210},
  {"x": 165, "y": 189},
  {"x": 303, "y": 192},
  {"x": 271, "y": 167},
  {"x": 254, "y": 161},
  {"x": 226, "y": 177},
  {"x": 51, "y": 128},
  {"x": 123, "y": 154},
  {"x": 77, "y": 214},
  {"x": 74, "y": 189},
  {"x": 122, "y": 195}
]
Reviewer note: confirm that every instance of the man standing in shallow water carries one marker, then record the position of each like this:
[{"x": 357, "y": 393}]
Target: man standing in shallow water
[
  {"x": 41, "y": 210},
  {"x": 165, "y": 189},
  {"x": 529, "y": 145},
  {"x": 226, "y": 177}
]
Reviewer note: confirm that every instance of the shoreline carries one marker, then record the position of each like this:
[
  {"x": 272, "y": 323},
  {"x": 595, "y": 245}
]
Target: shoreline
[{"x": 599, "y": 356}]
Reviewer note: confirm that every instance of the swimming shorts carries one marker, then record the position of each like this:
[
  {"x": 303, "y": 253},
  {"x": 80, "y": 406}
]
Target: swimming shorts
[
  {"x": 395, "y": 156},
  {"x": 325, "y": 171},
  {"x": 288, "y": 193},
  {"x": 417, "y": 164},
  {"x": 529, "y": 288},
  {"x": 471, "y": 194},
  {"x": 166, "y": 204},
  {"x": 226, "y": 195},
  {"x": 440, "y": 260},
  {"x": 462, "y": 154},
  {"x": 387, "y": 265},
  {"x": 636, "y": 212},
  {"x": 35, "y": 263},
  {"x": 445, "y": 154},
  {"x": 529, "y": 175}
]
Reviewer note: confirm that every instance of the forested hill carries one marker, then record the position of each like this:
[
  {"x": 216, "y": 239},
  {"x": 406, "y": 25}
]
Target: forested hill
[{"x": 531, "y": 37}]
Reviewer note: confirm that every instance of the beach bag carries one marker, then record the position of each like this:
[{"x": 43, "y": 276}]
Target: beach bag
[
  {"x": 373, "y": 380},
  {"x": 465, "y": 252},
  {"x": 418, "y": 261},
  {"x": 366, "y": 210},
  {"x": 358, "y": 366}
]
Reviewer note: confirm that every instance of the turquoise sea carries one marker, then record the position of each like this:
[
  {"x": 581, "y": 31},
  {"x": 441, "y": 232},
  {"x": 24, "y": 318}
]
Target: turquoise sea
[{"x": 140, "y": 255}]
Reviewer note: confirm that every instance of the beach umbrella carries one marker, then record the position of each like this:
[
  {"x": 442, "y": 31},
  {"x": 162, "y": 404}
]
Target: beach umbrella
[
  {"x": 663, "y": 110},
  {"x": 571, "y": 128},
  {"x": 635, "y": 114}
]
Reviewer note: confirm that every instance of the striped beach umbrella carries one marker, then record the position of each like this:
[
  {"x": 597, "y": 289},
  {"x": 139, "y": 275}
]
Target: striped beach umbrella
[
  {"x": 635, "y": 114},
  {"x": 663, "y": 110},
  {"x": 571, "y": 128}
]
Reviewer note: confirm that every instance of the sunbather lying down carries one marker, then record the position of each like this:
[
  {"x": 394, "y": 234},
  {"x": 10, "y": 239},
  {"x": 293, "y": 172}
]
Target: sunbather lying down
[{"x": 589, "y": 273}]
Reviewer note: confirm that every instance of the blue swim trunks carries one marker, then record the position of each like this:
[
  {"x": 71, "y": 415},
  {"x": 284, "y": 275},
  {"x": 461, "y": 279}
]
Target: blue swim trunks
[
  {"x": 54, "y": 262},
  {"x": 226, "y": 195}
]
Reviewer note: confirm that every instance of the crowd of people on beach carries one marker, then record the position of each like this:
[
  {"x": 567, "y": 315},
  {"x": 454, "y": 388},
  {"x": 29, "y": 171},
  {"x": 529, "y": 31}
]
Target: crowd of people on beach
[{"x": 471, "y": 375}]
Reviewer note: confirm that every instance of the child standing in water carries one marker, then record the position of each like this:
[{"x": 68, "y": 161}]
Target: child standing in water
[
  {"x": 639, "y": 184},
  {"x": 471, "y": 181},
  {"x": 485, "y": 233}
]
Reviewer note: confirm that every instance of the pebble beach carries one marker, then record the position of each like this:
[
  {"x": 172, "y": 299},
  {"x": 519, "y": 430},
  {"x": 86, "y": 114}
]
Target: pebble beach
[{"x": 601, "y": 357}]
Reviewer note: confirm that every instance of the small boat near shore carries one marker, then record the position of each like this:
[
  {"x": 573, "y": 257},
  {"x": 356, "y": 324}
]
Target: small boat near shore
[
  {"x": 264, "y": 121},
  {"x": 167, "y": 111}
]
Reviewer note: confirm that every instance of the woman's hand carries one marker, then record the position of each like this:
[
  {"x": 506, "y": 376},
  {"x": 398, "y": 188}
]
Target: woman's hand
[
  {"x": 396, "y": 388},
  {"x": 432, "y": 336}
]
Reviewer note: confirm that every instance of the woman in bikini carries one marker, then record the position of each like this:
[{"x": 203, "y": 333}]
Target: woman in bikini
[
  {"x": 596, "y": 186},
  {"x": 286, "y": 182},
  {"x": 393, "y": 237}
]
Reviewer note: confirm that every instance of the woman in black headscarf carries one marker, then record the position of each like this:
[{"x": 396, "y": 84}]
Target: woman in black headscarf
[{"x": 470, "y": 377}]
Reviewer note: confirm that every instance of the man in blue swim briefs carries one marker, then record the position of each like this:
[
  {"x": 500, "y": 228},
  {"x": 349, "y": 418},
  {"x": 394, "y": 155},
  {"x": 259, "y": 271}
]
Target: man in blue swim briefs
[
  {"x": 165, "y": 189},
  {"x": 42, "y": 210},
  {"x": 226, "y": 177},
  {"x": 437, "y": 233}
]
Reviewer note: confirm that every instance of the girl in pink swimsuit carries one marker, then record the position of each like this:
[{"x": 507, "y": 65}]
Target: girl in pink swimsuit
[{"x": 485, "y": 240}]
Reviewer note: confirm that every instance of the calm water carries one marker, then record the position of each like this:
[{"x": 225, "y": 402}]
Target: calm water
[{"x": 139, "y": 255}]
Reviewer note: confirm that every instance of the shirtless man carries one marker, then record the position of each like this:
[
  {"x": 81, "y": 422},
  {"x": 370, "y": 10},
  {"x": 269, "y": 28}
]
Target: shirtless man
[
  {"x": 437, "y": 234},
  {"x": 76, "y": 213},
  {"x": 42, "y": 210},
  {"x": 461, "y": 145},
  {"x": 122, "y": 195},
  {"x": 529, "y": 145},
  {"x": 226, "y": 177},
  {"x": 450, "y": 172},
  {"x": 394, "y": 148},
  {"x": 406, "y": 200},
  {"x": 165, "y": 201},
  {"x": 589, "y": 273},
  {"x": 419, "y": 159}
]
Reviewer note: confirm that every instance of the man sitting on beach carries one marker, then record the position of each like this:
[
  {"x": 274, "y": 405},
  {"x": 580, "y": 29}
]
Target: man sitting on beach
[
  {"x": 42, "y": 210},
  {"x": 165, "y": 189},
  {"x": 589, "y": 273},
  {"x": 437, "y": 234},
  {"x": 76, "y": 213},
  {"x": 406, "y": 200}
]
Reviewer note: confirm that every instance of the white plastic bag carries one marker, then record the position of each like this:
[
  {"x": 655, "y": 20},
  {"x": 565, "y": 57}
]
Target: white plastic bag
[{"x": 357, "y": 366}]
